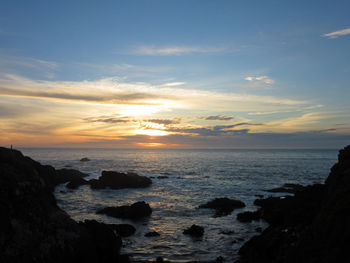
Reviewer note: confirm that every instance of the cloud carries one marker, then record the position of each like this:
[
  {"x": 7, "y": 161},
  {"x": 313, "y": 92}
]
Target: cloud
[
  {"x": 109, "y": 119},
  {"x": 218, "y": 118},
  {"x": 263, "y": 79},
  {"x": 175, "y": 50},
  {"x": 336, "y": 34},
  {"x": 165, "y": 121}
]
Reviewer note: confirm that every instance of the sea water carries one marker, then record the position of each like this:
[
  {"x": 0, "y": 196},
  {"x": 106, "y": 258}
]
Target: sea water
[{"x": 194, "y": 177}]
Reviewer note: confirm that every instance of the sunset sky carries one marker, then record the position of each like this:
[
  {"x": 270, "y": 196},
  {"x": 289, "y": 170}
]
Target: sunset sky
[{"x": 187, "y": 74}]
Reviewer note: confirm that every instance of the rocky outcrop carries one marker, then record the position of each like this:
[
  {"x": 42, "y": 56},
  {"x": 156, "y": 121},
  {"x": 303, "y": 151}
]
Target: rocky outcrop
[
  {"x": 74, "y": 177},
  {"x": 123, "y": 230},
  {"x": 311, "y": 226},
  {"x": 116, "y": 180},
  {"x": 84, "y": 159},
  {"x": 223, "y": 206},
  {"x": 33, "y": 228},
  {"x": 287, "y": 188},
  {"x": 194, "y": 230},
  {"x": 152, "y": 234},
  {"x": 249, "y": 216},
  {"x": 135, "y": 211}
]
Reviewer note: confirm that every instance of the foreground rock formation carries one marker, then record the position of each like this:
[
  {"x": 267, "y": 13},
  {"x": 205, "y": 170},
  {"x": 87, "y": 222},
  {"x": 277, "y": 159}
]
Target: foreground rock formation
[
  {"x": 311, "y": 226},
  {"x": 223, "y": 206},
  {"x": 135, "y": 211},
  {"x": 34, "y": 229}
]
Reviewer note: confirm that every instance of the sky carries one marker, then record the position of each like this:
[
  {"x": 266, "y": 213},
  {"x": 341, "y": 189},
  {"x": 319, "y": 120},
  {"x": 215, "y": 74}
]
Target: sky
[{"x": 182, "y": 74}]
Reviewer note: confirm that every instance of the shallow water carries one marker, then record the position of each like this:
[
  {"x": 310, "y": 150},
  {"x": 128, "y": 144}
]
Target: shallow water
[{"x": 194, "y": 177}]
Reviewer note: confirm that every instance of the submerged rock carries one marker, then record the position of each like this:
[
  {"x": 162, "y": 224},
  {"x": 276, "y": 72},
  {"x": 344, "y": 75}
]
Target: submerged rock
[
  {"x": 194, "y": 230},
  {"x": 123, "y": 230},
  {"x": 162, "y": 177},
  {"x": 116, "y": 180},
  {"x": 311, "y": 226},
  {"x": 152, "y": 234},
  {"x": 223, "y": 206},
  {"x": 134, "y": 211}
]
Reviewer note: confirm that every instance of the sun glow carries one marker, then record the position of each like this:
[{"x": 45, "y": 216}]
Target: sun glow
[{"x": 151, "y": 132}]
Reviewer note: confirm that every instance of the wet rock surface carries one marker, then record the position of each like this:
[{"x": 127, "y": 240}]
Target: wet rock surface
[
  {"x": 116, "y": 180},
  {"x": 223, "y": 206},
  {"x": 311, "y": 226},
  {"x": 135, "y": 211},
  {"x": 194, "y": 230},
  {"x": 123, "y": 230}
]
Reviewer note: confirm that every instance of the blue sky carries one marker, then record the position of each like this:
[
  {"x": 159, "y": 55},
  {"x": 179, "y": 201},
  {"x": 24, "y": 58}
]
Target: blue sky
[{"x": 284, "y": 65}]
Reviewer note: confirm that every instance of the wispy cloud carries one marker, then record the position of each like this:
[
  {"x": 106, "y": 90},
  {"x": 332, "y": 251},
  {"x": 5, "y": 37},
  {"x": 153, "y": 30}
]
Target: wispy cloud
[
  {"x": 262, "y": 79},
  {"x": 338, "y": 33},
  {"x": 175, "y": 50},
  {"x": 218, "y": 118}
]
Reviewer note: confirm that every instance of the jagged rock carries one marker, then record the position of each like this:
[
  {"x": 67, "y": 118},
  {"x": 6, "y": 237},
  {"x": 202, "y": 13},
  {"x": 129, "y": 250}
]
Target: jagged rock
[
  {"x": 115, "y": 180},
  {"x": 223, "y": 206},
  {"x": 134, "y": 211},
  {"x": 248, "y": 216},
  {"x": 194, "y": 230},
  {"x": 107, "y": 243},
  {"x": 287, "y": 188},
  {"x": 152, "y": 234},
  {"x": 67, "y": 175},
  {"x": 75, "y": 183},
  {"x": 123, "y": 230},
  {"x": 311, "y": 226},
  {"x": 32, "y": 227}
]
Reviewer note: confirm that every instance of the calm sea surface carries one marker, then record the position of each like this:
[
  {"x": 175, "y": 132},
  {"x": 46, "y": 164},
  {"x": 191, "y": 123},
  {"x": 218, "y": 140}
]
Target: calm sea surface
[{"x": 194, "y": 177}]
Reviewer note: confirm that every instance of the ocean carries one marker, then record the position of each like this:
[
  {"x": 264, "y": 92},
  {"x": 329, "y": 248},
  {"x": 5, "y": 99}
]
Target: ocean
[{"x": 194, "y": 177}]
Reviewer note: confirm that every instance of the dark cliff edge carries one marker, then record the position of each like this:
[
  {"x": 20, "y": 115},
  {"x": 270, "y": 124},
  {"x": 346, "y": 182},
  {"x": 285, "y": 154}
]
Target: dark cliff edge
[
  {"x": 34, "y": 229},
  {"x": 311, "y": 226}
]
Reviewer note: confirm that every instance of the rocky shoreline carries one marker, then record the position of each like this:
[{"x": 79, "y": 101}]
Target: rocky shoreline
[{"x": 310, "y": 226}]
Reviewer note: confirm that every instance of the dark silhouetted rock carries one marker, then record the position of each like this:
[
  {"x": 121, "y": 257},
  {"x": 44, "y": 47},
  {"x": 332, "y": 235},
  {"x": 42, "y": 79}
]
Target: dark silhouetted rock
[
  {"x": 287, "y": 188},
  {"x": 32, "y": 227},
  {"x": 152, "y": 234},
  {"x": 227, "y": 232},
  {"x": 107, "y": 243},
  {"x": 248, "y": 216},
  {"x": 259, "y": 229},
  {"x": 75, "y": 183},
  {"x": 67, "y": 175},
  {"x": 194, "y": 230},
  {"x": 311, "y": 226},
  {"x": 159, "y": 260},
  {"x": 123, "y": 230},
  {"x": 85, "y": 159},
  {"x": 162, "y": 177},
  {"x": 115, "y": 180},
  {"x": 134, "y": 211},
  {"x": 223, "y": 206}
]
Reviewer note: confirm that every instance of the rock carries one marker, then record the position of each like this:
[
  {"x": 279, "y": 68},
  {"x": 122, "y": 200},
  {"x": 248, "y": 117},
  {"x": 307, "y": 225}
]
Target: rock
[
  {"x": 227, "y": 232},
  {"x": 134, "y": 211},
  {"x": 152, "y": 234},
  {"x": 85, "y": 159},
  {"x": 311, "y": 226},
  {"x": 287, "y": 188},
  {"x": 32, "y": 227},
  {"x": 75, "y": 183},
  {"x": 220, "y": 259},
  {"x": 67, "y": 175},
  {"x": 259, "y": 229},
  {"x": 123, "y": 230},
  {"x": 159, "y": 260},
  {"x": 115, "y": 180},
  {"x": 194, "y": 230},
  {"x": 223, "y": 206},
  {"x": 108, "y": 244},
  {"x": 248, "y": 216},
  {"x": 162, "y": 177}
]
